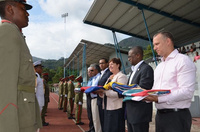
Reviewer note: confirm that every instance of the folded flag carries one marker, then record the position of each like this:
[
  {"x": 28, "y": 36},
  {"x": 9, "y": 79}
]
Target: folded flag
[
  {"x": 138, "y": 94},
  {"x": 108, "y": 86},
  {"x": 134, "y": 98},
  {"x": 131, "y": 91},
  {"x": 93, "y": 88},
  {"x": 127, "y": 98},
  {"x": 120, "y": 88},
  {"x": 143, "y": 92},
  {"x": 134, "y": 92},
  {"x": 84, "y": 88}
]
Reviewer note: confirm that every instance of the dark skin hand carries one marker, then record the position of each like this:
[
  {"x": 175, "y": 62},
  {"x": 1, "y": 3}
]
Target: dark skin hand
[
  {"x": 151, "y": 98},
  {"x": 100, "y": 92}
]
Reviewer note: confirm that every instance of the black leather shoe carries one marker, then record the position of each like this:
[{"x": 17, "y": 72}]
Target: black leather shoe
[
  {"x": 80, "y": 123},
  {"x": 89, "y": 131},
  {"x": 71, "y": 117},
  {"x": 45, "y": 124}
]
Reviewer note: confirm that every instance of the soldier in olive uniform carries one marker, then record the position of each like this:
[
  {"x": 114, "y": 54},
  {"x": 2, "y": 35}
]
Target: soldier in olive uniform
[
  {"x": 78, "y": 100},
  {"x": 60, "y": 93},
  {"x": 65, "y": 92},
  {"x": 46, "y": 98},
  {"x": 19, "y": 109},
  {"x": 70, "y": 97}
]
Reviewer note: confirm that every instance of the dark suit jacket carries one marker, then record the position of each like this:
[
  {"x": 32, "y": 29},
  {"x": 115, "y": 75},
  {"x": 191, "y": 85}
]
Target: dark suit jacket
[
  {"x": 101, "y": 82},
  {"x": 139, "y": 111}
]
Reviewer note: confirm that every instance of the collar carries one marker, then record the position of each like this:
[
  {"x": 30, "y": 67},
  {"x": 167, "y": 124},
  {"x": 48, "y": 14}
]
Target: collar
[
  {"x": 4, "y": 20},
  {"x": 90, "y": 78},
  {"x": 103, "y": 70},
  {"x": 37, "y": 74},
  {"x": 98, "y": 74},
  {"x": 137, "y": 65},
  {"x": 171, "y": 55}
]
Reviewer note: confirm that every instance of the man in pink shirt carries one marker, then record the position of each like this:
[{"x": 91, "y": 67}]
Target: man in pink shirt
[{"x": 177, "y": 73}]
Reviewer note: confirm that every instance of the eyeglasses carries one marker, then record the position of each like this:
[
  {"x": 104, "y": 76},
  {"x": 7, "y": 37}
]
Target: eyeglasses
[{"x": 91, "y": 70}]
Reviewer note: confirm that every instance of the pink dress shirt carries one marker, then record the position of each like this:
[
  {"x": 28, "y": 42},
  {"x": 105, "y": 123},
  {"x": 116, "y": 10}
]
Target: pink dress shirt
[
  {"x": 196, "y": 58},
  {"x": 178, "y": 74}
]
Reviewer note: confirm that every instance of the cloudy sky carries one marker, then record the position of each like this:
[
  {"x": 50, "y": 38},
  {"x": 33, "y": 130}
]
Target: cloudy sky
[{"x": 47, "y": 35}]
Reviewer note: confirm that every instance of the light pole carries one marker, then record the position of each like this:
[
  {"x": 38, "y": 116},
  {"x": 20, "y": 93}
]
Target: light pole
[{"x": 64, "y": 16}]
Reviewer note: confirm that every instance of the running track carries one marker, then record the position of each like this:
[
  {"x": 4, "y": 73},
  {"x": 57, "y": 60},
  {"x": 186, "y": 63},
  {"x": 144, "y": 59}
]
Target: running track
[{"x": 58, "y": 120}]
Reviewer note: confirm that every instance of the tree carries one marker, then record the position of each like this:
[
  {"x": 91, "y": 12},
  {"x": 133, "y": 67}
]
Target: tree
[
  {"x": 58, "y": 75},
  {"x": 148, "y": 52}
]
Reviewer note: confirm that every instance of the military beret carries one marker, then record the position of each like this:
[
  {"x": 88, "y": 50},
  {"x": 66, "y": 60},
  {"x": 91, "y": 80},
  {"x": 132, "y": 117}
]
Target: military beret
[
  {"x": 79, "y": 79},
  {"x": 62, "y": 79},
  {"x": 38, "y": 63},
  {"x": 71, "y": 77},
  {"x": 66, "y": 79},
  {"x": 28, "y": 7},
  {"x": 45, "y": 74}
]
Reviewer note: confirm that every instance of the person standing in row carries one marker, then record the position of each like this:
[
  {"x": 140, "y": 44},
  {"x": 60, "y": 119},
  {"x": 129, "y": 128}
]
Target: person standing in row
[
  {"x": 105, "y": 74},
  {"x": 89, "y": 107},
  {"x": 177, "y": 73},
  {"x": 78, "y": 100},
  {"x": 114, "y": 120},
  {"x": 39, "y": 84},
  {"x": 139, "y": 113},
  {"x": 65, "y": 92},
  {"x": 19, "y": 107},
  {"x": 60, "y": 93},
  {"x": 95, "y": 112},
  {"x": 46, "y": 98},
  {"x": 70, "y": 97}
]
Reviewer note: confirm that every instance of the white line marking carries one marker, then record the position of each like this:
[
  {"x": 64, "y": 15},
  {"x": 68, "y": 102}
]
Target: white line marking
[
  {"x": 79, "y": 126},
  {"x": 66, "y": 113},
  {"x": 54, "y": 99}
]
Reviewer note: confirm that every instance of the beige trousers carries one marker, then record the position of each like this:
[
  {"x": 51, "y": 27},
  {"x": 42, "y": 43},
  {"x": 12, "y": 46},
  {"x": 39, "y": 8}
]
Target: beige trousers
[{"x": 95, "y": 115}]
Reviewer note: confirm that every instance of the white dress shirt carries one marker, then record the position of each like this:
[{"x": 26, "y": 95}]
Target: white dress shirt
[
  {"x": 103, "y": 71},
  {"x": 134, "y": 69},
  {"x": 95, "y": 81},
  {"x": 178, "y": 74}
]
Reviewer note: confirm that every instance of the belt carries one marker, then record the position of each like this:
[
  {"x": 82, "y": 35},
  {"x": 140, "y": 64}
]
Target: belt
[{"x": 171, "y": 110}]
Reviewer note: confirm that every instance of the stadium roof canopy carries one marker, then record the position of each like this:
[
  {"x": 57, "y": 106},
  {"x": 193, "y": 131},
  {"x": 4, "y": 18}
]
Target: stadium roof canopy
[
  {"x": 180, "y": 17},
  {"x": 94, "y": 52}
]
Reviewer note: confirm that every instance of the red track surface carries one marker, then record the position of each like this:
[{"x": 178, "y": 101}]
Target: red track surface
[{"x": 58, "y": 120}]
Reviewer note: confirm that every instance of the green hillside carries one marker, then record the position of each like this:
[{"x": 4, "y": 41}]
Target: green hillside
[
  {"x": 50, "y": 63},
  {"x": 132, "y": 41}
]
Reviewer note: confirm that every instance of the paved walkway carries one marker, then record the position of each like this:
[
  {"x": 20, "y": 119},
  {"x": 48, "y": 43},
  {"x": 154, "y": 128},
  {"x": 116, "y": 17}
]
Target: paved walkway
[{"x": 60, "y": 123}]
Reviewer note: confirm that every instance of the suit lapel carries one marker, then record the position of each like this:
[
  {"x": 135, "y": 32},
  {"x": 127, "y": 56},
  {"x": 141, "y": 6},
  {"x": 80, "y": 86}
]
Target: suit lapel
[
  {"x": 104, "y": 74},
  {"x": 137, "y": 71}
]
